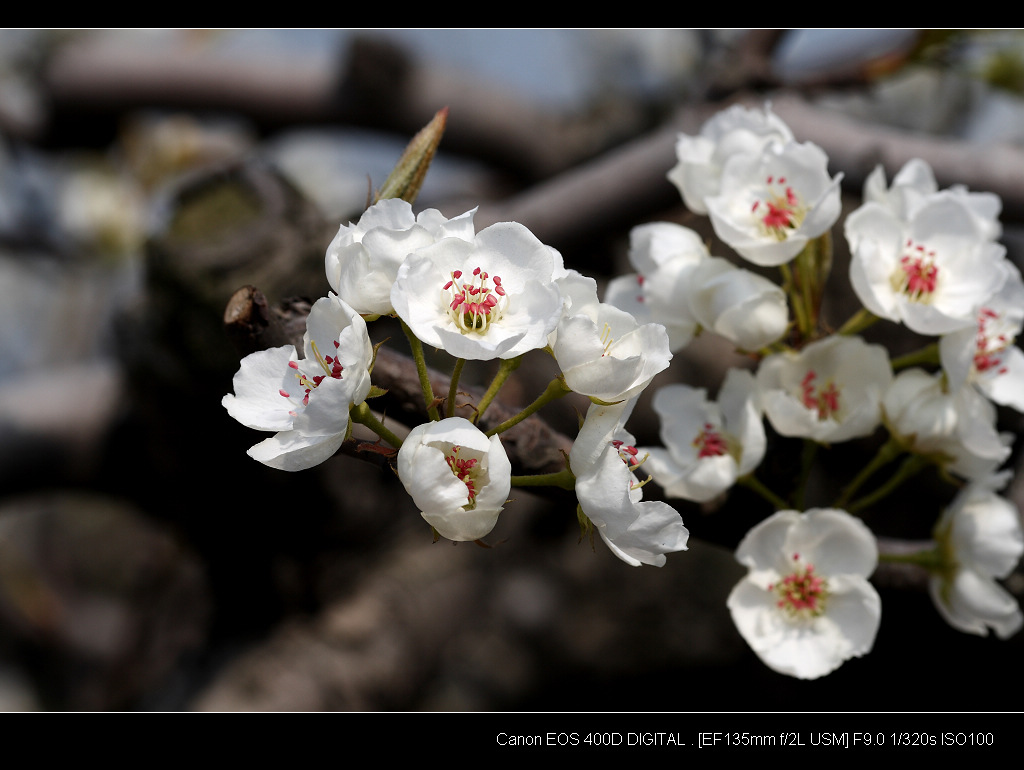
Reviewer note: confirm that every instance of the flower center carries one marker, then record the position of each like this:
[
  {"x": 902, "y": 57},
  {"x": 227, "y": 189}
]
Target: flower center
[
  {"x": 465, "y": 470},
  {"x": 628, "y": 454},
  {"x": 475, "y": 302},
  {"x": 917, "y": 275},
  {"x": 331, "y": 366},
  {"x": 781, "y": 211},
  {"x": 801, "y": 594},
  {"x": 825, "y": 399},
  {"x": 710, "y": 443},
  {"x": 990, "y": 343}
]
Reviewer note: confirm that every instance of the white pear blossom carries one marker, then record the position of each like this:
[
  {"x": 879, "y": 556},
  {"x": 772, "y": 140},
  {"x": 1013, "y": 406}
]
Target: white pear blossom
[
  {"x": 602, "y": 351},
  {"x": 603, "y": 458},
  {"x": 663, "y": 255},
  {"x": 915, "y": 183},
  {"x": 932, "y": 272},
  {"x": 986, "y": 355},
  {"x": 830, "y": 391},
  {"x": 708, "y": 445},
  {"x": 772, "y": 203},
  {"x": 495, "y": 297},
  {"x": 954, "y": 428},
  {"x": 701, "y": 158},
  {"x": 306, "y": 401},
  {"x": 363, "y": 259},
  {"x": 746, "y": 308},
  {"x": 980, "y": 540},
  {"x": 806, "y": 605},
  {"x": 458, "y": 477}
]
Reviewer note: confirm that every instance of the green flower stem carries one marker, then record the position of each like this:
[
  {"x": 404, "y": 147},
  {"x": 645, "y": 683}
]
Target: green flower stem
[
  {"x": 808, "y": 283},
  {"x": 929, "y": 556},
  {"x": 364, "y": 416},
  {"x": 563, "y": 479},
  {"x": 750, "y": 481},
  {"x": 910, "y": 466},
  {"x": 806, "y": 463},
  {"x": 555, "y": 389},
  {"x": 421, "y": 369},
  {"x": 453, "y": 389},
  {"x": 795, "y": 301},
  {"x": 888, "y": 452},
  {"x": 929, "y": 354},
  {"x": 858, "y": 322},
  {"x": 505, "y": 368}
]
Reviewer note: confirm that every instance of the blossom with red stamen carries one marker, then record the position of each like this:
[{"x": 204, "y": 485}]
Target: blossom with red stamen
[
  {"x": 305, "y": 401},
  {"x": 494, "y": 297},
  {"x": 987, "y": 357},
  {"x": 830, "y": 391},
  {"x": 806, "y": 606},
  {"x": 458, "y": 477},
  {"x": 773, "y": 202},
  {"x": 604, "y": 460},
  {"x": 933, "y": 271},
  {"x": 708, "y": 445}
]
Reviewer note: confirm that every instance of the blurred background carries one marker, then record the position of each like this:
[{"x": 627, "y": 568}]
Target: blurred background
[{"x": 146, "y": 563}]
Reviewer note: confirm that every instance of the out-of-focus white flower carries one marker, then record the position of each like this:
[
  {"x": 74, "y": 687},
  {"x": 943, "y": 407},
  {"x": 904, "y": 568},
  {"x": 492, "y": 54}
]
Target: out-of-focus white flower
[
  {"x": 980, "y": 540},
  {"x": 459, "y": 478},
  {"x": 103, "y": 211},
  {"x": 663, "y": 255},
  {"x": 915, "y": 183},
  {"x": 603, "y": 458},
  {"x": 829, "y": 391},
  {"x": 806, "y": 606},
  {"x": 932, "y": 272},
  {"x": 772, "y": 203},
  {"x": 495, "y": 297},
  {"x": 701, "y": 158},
  {"x": 363, "y": 259},
  {"x": 747, "y": 309},
  {"x": 986, "y": 356},
  {"x": 306, "y": 401},
  {"x": 708, "y": 445},
  {"x": 602, "y": 351},
  {"x": 954, "y": 428}
]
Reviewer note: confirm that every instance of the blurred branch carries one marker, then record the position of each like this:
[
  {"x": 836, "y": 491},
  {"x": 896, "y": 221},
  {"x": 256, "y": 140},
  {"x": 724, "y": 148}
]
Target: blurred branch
[{"x": 626, "y": 184}]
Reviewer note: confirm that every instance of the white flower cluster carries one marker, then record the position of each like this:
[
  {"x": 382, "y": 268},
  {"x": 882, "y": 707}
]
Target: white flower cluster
[
  {"x": 494, "y": 294},
  {"x": 923, "y": 257}
]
